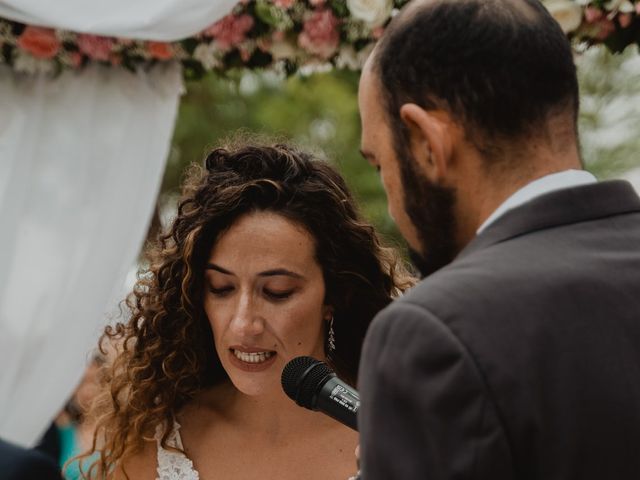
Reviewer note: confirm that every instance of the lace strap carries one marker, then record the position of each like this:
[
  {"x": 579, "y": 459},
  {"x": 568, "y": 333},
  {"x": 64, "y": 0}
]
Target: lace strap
[{"x": 173, "y": 465}]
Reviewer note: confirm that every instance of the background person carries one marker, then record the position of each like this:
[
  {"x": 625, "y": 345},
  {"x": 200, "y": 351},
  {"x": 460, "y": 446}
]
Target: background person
[
  {"x": 71, "y": 433},
  {"x": 519, "y": 355}
]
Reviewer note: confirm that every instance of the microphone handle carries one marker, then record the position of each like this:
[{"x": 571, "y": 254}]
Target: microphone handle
[{"x": 339, "y": 401}]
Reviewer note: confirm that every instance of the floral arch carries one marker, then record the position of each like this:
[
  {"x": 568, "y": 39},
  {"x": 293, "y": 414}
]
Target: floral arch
[{"x": 283, "y": 34}]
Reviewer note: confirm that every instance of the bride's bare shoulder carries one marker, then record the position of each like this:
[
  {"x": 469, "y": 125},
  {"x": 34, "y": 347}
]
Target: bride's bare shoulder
[{"x": 141, "y": 465}]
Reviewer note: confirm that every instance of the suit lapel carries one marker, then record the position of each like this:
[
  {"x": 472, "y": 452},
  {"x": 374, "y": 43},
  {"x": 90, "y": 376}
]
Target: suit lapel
[{"x": 562, "y": 207}]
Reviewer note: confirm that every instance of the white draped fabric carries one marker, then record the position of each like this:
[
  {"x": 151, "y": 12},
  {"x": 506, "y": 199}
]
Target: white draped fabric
[
  {"x": 165, "y": 20},
  {"x": 81, "y": 159}
]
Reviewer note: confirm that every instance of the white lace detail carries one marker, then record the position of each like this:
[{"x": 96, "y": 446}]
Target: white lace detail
[{"x": 173, "y": 465}]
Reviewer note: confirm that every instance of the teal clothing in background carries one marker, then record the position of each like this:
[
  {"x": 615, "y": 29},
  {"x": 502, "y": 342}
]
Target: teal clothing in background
[{"x": 69, "y": 448}]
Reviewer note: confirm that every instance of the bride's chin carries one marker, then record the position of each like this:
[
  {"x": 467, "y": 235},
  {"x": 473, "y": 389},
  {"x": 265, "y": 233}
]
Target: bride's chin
[{"x": 254, "y": 388}]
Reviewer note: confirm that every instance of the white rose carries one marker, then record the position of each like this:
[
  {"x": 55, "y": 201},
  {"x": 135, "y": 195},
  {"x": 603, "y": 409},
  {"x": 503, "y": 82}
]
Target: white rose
[
  {"x": 282, "y": 50},
  {"x": 622, "y": 6},
  {"x": 25, "y": 63},
  {"x": 207, "y": 55},
  {"x": 566, "y": 12},
  {"x": 373, "y": 12},
  {"x": 350, "y": 59}
]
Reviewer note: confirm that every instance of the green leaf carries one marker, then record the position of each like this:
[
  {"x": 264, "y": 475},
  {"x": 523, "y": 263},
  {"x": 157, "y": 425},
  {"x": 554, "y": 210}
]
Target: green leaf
[
  {"x": 272, "y": 15},
  {"x": 339, "y": 8}
]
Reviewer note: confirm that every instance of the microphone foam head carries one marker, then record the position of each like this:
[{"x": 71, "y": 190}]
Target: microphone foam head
[{"x": 301, "y": 378}]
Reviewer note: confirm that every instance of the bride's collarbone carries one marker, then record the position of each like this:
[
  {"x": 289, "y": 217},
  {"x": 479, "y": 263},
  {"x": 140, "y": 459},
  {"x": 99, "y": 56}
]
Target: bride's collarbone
[{"x": 236, "y": 455}]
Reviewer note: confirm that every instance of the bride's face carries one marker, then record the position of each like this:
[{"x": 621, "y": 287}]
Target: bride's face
[{"x": 264, "y": 299}]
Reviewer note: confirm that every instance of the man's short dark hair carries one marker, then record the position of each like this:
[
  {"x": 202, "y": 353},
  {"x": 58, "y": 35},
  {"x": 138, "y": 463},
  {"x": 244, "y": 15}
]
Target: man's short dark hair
[{"x": 500, "y": 67}]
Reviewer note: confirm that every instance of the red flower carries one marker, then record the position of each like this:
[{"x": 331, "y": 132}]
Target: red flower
[
  {"x": 160, "y": 50},
  {"x": 39, "y": 42}
]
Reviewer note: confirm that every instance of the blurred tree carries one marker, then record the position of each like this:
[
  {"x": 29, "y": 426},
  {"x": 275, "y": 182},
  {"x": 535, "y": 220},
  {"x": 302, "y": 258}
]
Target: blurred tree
[{"x": 610, "y": 110}]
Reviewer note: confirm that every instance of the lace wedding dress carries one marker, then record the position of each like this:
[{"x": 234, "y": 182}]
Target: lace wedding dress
[{"x": 173, "y": 465}]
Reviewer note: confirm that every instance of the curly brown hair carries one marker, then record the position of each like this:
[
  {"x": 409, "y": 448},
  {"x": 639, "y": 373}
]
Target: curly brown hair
[{"x": 166, "y": 352}]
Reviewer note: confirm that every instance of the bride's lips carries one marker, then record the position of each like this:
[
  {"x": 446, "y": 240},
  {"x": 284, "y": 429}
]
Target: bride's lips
[{"x": 255, "y": 359}]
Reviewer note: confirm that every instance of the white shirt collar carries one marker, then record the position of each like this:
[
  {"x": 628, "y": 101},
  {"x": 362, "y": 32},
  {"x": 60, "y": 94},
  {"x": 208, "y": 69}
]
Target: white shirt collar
[{"x": 541, "y": 186}]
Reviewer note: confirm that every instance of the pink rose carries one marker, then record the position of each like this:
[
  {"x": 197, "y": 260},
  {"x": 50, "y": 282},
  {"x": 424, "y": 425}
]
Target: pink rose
[
  {"x": 320, "y": 34},
  {"x": 317, "y": 3},
  {"x": 95, "y": 47},
  {"x": 625, "y": 19},
  {"x": 39, "y": 42},
  {"x": 160, "y": 50},
  {"x": 592, "y": 14},
  {"x": 638, "y": 8},
  {"x": 605, "y": 28},
  {"x": 230, "y": 31},
  {"x": 284, "y": 3}
]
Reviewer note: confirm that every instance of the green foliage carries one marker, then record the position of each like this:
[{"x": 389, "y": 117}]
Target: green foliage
[{"x": 610, "y": 110}]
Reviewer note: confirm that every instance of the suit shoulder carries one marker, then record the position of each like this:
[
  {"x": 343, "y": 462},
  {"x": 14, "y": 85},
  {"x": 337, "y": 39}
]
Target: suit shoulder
[
  {"x": 406, "y": 326},
  {"x": 482, "y": 282},
  {"x": 17, "y": 463}
]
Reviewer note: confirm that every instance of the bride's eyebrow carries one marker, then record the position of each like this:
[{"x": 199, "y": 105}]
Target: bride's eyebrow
[
  {"x": 281, "y": 271},
  {"x": 218, "y": 268},
  {"x": 267, "y": 273}
]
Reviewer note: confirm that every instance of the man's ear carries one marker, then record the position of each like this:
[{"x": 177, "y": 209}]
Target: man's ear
[{"x": 430, "y": 140}]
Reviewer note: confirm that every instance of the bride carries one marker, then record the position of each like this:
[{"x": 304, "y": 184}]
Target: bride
[{"x": 267, "y": 260}]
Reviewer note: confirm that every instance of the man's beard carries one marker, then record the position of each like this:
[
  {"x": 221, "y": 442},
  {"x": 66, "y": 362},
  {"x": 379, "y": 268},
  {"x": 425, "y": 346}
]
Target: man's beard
[{"x": 430, "y": 208}]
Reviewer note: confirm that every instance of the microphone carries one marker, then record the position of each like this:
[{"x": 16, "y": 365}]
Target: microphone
[{"x": 313, "y": 385}]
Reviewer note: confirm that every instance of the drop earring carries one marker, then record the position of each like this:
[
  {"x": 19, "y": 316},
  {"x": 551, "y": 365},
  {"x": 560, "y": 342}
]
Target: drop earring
[{"x": 331, "y": 338}]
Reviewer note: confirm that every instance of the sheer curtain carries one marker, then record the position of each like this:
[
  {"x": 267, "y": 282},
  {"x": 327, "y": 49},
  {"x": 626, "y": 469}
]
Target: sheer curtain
[
  {"x": 141, "y": 19},
  {"x": 81, "y": 159}
]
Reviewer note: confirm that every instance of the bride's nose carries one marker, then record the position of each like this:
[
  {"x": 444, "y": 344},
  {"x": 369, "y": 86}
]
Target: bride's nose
[{"x": 246, "y": 318}]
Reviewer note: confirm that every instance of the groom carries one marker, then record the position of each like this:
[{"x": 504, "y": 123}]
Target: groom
[{"x": 518, "y": 356}]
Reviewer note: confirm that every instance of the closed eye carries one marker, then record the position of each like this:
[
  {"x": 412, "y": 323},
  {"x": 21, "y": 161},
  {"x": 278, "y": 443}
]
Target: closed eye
[
  {"x": 220, "y": 291},
  {"x": 276, "y": 295}
]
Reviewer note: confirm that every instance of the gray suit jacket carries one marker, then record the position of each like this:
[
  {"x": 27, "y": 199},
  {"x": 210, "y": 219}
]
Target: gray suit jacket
[{"x": 520, "y": 359}]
